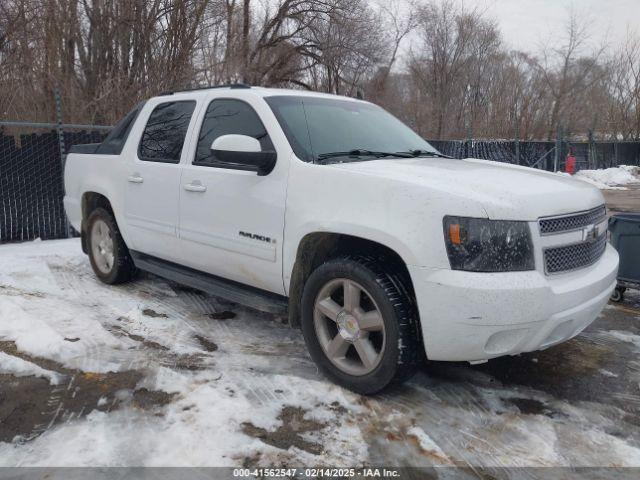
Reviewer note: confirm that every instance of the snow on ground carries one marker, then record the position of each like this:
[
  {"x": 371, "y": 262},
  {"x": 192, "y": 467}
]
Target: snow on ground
[
  {"x": 153, "y": 374},
  {"x": 610, "y": 178},
  {"x": 21, "y": 368},
  {"x": 51, "y": 307},
  {"x": 427, "y": 444},
  {"x": 626, "y": 337}
]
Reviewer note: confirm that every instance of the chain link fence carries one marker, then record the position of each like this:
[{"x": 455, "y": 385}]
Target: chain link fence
[
  {"x": 549, "y": 156},
  {"x": 530, "y": 154},
  {"x": 31, "y": 178},
  {"x": 32, "y": 164}
]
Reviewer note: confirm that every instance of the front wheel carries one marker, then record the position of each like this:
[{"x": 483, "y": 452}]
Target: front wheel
[
  {"x": 108, "y": 253},
  {"x": 617, "y": 295},
  {"x": 359, "y": 325}
]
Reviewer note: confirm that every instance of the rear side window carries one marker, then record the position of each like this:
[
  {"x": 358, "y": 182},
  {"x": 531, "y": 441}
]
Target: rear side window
[
  {"x": 164, "y": 134},
  {"x": 225, "y": 117},
  {"x": 114, "y": 142}
]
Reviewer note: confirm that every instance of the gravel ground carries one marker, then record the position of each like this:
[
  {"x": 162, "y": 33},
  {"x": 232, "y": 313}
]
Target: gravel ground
[{"x": 154, "y": 374}]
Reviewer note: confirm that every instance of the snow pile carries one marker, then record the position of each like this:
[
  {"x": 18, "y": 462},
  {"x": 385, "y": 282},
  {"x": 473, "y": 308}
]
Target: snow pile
[
  {"x": 610, "y": 178},
  {"x": 631, "y": 169}
]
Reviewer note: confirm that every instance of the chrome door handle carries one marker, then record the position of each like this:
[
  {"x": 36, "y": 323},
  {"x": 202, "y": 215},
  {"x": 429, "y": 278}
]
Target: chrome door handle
[
  {"x": 195, "y": 186},
  {"x": 135, "y": 178}
]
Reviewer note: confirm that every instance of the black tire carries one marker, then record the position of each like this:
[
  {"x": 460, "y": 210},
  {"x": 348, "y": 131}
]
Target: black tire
[
  {"x": 403, "y": 348},
  {"x": 618, "y": 295},
  {"x": 123, "y": 268}
]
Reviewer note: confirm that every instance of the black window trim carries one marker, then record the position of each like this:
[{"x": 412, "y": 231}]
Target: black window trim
[
  {"x": 166, "y": 160},
  {"x": 116, "y": 148},
  {"x": 219, "y": 163},
  {"x": 299, "y": 151}
]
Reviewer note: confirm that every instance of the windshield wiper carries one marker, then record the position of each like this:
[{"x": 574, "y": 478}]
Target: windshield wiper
[
  {"x": 425, "y": 153},
  {"x": 358, "y": 152}
]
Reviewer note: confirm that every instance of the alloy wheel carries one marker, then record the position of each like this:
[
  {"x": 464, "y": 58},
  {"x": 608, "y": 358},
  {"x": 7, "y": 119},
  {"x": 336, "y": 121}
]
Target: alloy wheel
[
  {"x": 102, "y": 246},
  {"x": 349, "y": 326}
]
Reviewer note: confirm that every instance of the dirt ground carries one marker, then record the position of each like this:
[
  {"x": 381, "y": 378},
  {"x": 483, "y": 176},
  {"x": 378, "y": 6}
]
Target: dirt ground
[{"x": 157, "y": 374}]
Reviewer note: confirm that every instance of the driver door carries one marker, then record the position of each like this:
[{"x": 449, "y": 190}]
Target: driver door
[{"x": 232, "y": 220}]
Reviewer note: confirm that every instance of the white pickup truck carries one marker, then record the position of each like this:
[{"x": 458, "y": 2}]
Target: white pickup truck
[{"x": 380, "y": 248}]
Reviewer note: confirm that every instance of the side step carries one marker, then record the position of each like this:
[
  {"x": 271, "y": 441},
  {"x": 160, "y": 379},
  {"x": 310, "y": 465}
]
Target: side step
[{"x": 220, "y": 287}]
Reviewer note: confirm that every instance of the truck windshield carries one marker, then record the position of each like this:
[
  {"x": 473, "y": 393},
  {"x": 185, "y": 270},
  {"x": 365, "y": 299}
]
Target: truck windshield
[{"x": 324, "y": 130}]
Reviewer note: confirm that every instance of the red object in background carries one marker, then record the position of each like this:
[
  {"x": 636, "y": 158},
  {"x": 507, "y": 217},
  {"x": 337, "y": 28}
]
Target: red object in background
[{"x": 570, "y": 165}]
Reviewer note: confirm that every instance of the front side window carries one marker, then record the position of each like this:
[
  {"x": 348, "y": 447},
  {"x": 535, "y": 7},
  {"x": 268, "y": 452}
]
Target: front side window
[
  {"x": 166, "y": 129},
  {"x": 226, "y": 117},
  {"x": 322, "y": 127}
]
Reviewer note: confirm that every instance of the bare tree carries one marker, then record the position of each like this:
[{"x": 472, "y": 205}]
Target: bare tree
[
  {"x": 448, "y": 65},
  {"x": 566, "y": 70},
  {"x": 398, "y": 19},
  {"x": 624, "y": 87},
  {"x": 454, "y": 78}
]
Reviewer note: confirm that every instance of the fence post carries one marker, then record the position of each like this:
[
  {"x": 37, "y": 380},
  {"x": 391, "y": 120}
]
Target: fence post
[
  {"x": 556, "y": 156},
  {"x": 592, "y": 160},
  {"x": 517, "y": 145},
  {"x": 516, "y": 130},
  {"x": 469, "y": 142},
  {"x": 61, "y": 146}
]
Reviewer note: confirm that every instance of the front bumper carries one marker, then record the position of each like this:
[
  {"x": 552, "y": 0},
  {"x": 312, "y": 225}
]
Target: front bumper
[{"x": 469, "y": 316}]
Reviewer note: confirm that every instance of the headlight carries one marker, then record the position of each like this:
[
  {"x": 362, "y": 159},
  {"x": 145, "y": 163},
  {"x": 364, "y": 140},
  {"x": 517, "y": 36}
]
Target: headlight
[{"x": 482, "y": 245}]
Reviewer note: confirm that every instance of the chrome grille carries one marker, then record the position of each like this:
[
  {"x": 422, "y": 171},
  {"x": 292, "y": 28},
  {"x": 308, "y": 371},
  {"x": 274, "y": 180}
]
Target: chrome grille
[
  {"x": 574, "y": 221},
  {"x": 572, "y": 257}
]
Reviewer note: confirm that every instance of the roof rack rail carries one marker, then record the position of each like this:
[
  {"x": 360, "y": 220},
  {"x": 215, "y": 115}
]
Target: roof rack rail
[{"x": 228, "y": 85}]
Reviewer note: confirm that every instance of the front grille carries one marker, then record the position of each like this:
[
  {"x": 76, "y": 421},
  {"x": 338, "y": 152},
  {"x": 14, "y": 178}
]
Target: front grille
[
  {"x": 574, "y": 221},
  {"x": 572, "y": 257}
]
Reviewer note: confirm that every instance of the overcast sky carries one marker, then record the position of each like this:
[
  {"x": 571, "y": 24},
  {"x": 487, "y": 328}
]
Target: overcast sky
[{"x": 525, "y": 23}]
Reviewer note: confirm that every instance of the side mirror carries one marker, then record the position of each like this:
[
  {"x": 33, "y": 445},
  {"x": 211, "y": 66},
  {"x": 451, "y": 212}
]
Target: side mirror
[{"x": 241, "y": 152}]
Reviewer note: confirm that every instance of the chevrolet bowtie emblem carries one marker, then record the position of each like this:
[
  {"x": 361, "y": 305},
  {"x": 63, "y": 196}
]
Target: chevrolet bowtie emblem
[{"x": 590, "y": 234}]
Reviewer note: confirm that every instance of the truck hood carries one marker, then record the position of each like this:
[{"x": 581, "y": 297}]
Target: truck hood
[{"x": 505, "y": 191}]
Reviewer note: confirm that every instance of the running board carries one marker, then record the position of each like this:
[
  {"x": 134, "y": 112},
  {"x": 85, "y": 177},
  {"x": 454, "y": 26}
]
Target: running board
[{"x": 220, "y": 287}]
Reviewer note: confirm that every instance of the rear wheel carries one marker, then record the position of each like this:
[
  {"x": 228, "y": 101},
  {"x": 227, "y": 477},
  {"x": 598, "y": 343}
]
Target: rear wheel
[
  {"x": 108, "y": 253},
  {"x": 359, "y": 325}
]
